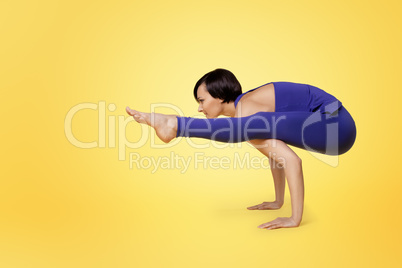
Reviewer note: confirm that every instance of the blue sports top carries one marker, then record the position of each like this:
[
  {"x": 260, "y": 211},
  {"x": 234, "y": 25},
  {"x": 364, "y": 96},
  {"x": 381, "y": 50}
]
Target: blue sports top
[{"x": 300, "y": 97}]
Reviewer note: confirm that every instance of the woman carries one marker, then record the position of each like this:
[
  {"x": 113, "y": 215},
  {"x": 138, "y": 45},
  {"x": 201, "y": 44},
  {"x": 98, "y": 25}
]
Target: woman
[{"x": 269, "y": 117}]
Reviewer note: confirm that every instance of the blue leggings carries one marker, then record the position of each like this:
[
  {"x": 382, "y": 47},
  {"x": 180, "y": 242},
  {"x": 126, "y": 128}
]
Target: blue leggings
[{"x": 331, "y": 134}]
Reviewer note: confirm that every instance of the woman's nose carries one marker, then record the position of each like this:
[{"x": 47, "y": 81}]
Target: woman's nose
[{"x": 200, "y": 109}]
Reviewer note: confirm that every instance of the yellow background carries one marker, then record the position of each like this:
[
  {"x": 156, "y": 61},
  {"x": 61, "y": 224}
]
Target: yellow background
[{"x": 63, "y": 206}]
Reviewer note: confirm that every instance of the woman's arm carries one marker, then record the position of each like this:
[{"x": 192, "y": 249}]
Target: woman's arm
[
  {"x": 278, "y": 174},
  {"x": 292, "y": 164},
  {"x": 283, "y": 155}
]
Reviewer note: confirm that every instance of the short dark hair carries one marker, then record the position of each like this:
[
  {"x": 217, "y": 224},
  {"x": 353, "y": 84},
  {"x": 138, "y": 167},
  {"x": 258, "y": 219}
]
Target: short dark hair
[{"x": 221, "y": 84}]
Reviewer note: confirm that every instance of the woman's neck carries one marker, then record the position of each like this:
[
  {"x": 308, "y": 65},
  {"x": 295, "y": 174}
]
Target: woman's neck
[{"x": 228, "y": 109}]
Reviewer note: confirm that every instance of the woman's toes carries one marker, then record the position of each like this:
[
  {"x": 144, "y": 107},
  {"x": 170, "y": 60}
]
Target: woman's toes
[
  {"x": 131, "y": 111},
  {"x": 128, "y": 110}
]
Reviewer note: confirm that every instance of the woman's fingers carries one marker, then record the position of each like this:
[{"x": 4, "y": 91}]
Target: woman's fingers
[
  {"x": 279, "y": 223},
  {"x": 266, "y": 206},
  {"x": 253, "y": 207},
  {"x": 267, "y": 224},
  {"x": 264, "y": 225},
  {"x": 275, "y": 226},
  {"x": 259, "y": 206},
  {"x": 270, "y": 226}
]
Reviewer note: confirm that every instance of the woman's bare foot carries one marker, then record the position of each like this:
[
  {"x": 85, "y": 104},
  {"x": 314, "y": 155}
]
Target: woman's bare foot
[
  {"x": 165, "y": 125},
  {"x": 266, "y": 205}
]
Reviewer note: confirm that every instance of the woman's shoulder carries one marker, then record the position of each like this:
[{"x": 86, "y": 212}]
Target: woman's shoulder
[
  {"x": 263, "y": 98},
  {"x": 251, "y": 92}
]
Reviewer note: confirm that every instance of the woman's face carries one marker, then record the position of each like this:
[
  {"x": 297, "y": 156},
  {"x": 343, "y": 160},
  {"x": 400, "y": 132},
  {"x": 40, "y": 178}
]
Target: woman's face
[{"x": 208, "y": 105}]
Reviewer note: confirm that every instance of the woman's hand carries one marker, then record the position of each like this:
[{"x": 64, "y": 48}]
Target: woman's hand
[{"x": 279, "y": 223}]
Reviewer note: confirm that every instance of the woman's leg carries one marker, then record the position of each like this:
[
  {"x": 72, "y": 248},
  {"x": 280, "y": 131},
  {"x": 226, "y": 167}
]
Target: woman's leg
[
  {"x": 318, "y": 132},
  {"x": 328, "y": 134}
]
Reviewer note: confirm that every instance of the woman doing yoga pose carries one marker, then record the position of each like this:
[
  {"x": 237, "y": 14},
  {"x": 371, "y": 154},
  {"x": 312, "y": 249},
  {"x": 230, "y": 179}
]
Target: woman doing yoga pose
[{"x": 269, "y": 117}]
